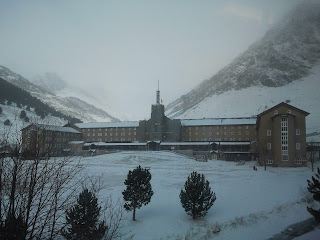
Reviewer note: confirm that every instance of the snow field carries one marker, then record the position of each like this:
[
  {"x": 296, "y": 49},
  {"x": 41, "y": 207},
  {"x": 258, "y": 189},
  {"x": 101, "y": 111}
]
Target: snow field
[{"x": 250, "y": 204}]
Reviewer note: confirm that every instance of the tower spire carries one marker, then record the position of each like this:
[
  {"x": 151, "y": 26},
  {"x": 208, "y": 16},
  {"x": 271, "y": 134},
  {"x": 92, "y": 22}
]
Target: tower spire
[{"x": 158, "y": 94}]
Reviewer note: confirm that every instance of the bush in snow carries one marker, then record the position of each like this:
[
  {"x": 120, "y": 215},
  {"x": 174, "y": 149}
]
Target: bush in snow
[
  {"x": 7, "y": 122},
  {"x": 23, "y": 114},
  {"x": 83, "y": 219},
  {"x": 197, "y": 197},
  {"x": 314, "y": 188},
  {"x": 138, "y": 191}
]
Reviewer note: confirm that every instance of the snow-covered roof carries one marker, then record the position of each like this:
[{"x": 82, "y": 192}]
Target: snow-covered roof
[
  {"x": 57, "y": 128},
  {"x": 114, "y": 144},
  {"x": 315, "y": 138},
  {"x": 75, "y": 142},
  {"x": 202, "y": 143},
  {"x": 107, "y": 124},
  {"x": 237, "y": 152},
  {"x": 218, "y": 121},
  {"x": 232, "y": 143},
  {"x": 166, "y": 143},
  {"x": 184, "y": 143}
]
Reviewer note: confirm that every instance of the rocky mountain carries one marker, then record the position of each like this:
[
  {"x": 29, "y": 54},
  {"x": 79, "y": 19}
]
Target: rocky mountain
[
  {"x": 51, "y": 82},
  {"x": 48, "y": 87},
  {"x": 289, "y": 52}
]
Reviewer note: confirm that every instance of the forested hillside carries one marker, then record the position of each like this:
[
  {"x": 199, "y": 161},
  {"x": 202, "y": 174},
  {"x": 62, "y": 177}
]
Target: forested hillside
[{"x": 10, "y": 93}]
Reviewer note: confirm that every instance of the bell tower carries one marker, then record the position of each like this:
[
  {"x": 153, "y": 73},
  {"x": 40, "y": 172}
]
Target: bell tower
[
  {"x": 157, "y": 118},
  {"x": 158, "y": 95}
]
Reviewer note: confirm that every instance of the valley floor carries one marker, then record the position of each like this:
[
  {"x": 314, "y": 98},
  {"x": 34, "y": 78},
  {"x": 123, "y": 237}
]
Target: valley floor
[{"x": 250, "y": 204}]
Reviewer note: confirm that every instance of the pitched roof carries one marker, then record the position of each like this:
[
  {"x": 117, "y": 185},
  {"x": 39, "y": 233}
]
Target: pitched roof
[
  {"x": 283, "y": 104},
  {"x": 53, "y": 128},
  {"x": 57, "y": 128}
]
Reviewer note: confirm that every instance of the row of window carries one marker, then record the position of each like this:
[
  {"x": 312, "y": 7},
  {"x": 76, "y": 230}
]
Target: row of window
[
  {"x": 47, "y": 139},
  {"x": 218, "y": 127},
  {"x": 297, "y": 161},
  {"x": 113, "y": 139},
  {"x": 283, "y": 129},
  {"x": 276, "y": 112},
  {"x": 218, "y": 133},
  {"x": 218, "y": 139},
  {"x": 109, "y": 129},
  {"x": 284, "y": 147},
  {"x": 50, "y": 133},
  {"x": 110, "y": 134}
]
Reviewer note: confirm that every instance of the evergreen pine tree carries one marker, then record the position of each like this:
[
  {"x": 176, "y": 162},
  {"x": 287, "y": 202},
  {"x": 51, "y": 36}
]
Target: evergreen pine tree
[
  {"x": 314, "y": 188},
  {"x": 82, "y": 220},
  {"x": 197, "y": 197},
  {"x": 138, "y": 191}
]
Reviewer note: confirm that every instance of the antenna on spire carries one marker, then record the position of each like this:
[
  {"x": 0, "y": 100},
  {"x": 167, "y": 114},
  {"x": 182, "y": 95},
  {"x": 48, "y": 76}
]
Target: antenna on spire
[{"x": 158, "y": 94}]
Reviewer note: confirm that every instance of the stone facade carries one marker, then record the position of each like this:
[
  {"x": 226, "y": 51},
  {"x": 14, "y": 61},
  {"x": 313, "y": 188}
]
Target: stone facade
[
  {"x": 281, "y": 134},
  {"x": 277, "y": 136},
  {"x": 159, "y": 127},
  {"x": 44, "y": 140}
]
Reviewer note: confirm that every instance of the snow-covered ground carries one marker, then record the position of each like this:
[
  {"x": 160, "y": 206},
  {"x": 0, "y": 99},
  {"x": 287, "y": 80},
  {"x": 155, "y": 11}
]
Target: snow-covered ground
[{"x": 250, "y": 204}]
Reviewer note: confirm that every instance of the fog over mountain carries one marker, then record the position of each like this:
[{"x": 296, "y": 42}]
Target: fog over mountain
[
  {"x": 52, "y": 90},
  {"x": 288, "y": 53}
]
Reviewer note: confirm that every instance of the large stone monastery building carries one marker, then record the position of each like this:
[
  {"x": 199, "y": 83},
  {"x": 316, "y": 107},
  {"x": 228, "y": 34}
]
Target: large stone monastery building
[{"x": 276, "y": 137}]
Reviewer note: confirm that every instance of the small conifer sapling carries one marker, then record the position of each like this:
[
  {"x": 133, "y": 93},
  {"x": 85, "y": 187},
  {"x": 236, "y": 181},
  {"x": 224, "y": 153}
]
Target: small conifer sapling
[{"x": 82, "y": 219}]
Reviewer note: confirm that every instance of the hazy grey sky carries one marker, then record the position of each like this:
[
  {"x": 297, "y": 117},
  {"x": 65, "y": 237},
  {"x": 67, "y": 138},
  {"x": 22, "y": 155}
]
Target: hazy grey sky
[{"x": 117, "y": 50}]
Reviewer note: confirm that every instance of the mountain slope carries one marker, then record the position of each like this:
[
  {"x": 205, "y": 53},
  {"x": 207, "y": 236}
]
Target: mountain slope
[
  {"x": 48, "y": 92},
  {"x": 10, "y": 93},
  {"x": 284, "y": 55},
  {"x": 303, "y": 93}
]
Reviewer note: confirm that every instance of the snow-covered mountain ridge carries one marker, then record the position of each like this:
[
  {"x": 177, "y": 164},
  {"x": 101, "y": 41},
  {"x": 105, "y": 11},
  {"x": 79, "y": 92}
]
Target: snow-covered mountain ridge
[
  {"x": 269, "y": 72},
  {"x": 49, "y": 92},
  {"x": 251, "y": 101}
]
